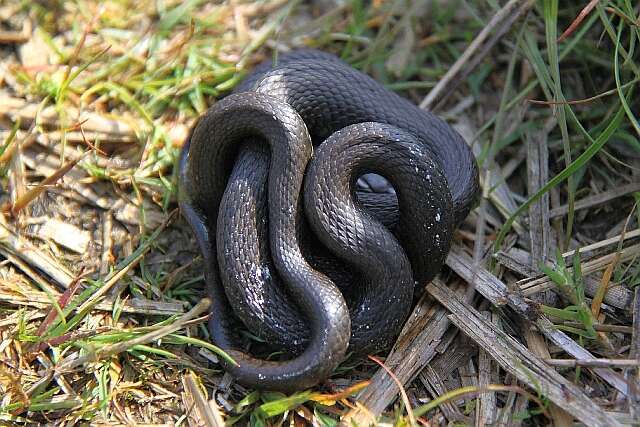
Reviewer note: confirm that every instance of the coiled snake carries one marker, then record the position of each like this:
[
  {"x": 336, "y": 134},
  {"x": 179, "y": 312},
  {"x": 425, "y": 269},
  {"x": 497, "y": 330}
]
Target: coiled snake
[{"x": 291, "y": 247}]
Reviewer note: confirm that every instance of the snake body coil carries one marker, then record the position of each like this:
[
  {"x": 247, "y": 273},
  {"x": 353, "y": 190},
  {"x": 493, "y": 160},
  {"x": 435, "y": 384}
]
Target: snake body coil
[{"x": 291, "y": 247}]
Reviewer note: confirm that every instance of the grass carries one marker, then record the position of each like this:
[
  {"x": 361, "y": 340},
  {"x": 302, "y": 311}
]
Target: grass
[{"x": 96, "y": 104}]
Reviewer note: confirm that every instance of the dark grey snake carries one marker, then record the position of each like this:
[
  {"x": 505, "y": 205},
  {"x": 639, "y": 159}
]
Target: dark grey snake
[{"x": 291, "y": 247}]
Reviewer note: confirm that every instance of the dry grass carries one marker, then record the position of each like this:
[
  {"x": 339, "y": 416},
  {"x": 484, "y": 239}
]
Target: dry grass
[{"x": 101, "y": 311}]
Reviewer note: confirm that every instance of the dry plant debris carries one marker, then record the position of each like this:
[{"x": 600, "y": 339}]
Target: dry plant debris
[{"x": 536, "y": 318}]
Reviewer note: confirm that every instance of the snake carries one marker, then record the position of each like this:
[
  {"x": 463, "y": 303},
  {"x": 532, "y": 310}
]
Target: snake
[{"x": 297, "y": 252}]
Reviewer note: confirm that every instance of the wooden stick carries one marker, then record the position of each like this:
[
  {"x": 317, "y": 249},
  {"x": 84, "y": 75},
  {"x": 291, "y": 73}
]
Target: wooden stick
[
  {"x": 604, "y": 363},
  {"x": 204, "y": 412},
  {"x": 597, "y": 199},
  {"x": 542, "y": 283},
  {"x": 508, "y": 14},
  {"x": 497, "y": 292},
  {"x": 518, "y": 360},
  {"x": 415, "y": 347},
  {"x": 70, "y": 363}
]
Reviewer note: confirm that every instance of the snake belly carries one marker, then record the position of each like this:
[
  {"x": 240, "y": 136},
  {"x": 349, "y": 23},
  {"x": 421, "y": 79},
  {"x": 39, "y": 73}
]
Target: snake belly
[{"x": 292, "y": 249}]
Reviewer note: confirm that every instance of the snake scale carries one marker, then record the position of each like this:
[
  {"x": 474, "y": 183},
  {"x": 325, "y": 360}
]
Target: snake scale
[{"x": 293, "y": 248}]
